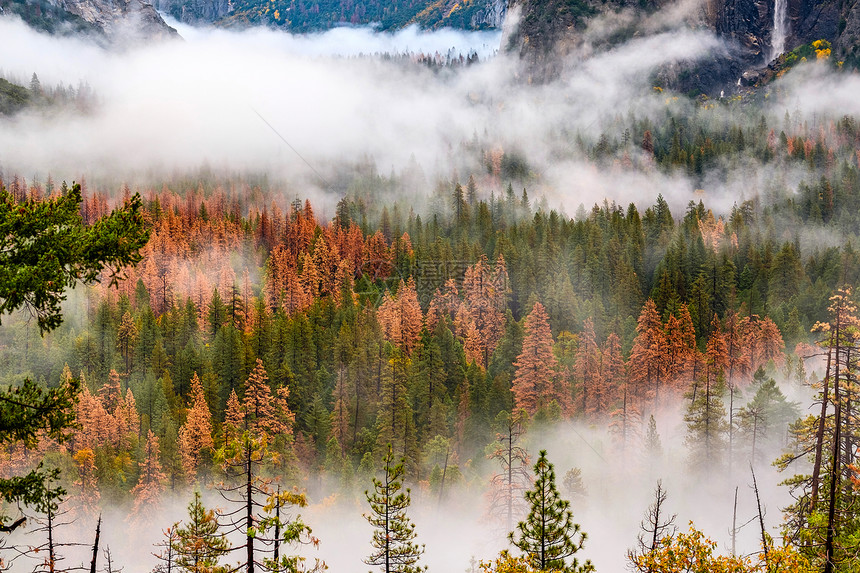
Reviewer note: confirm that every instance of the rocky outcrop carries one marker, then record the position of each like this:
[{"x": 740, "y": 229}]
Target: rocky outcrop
[
  {"x": 195, "y": 11},
  {"x": 847, "y": 45},
  {"x": 122, "y": 21},
  {"x": 748, "y": 24},
  {"x": 813, "y": 20},
  {"x": 490, "y": 16},
  {"x": 546, "y": 31},
  {"x": 543, "y": 33}
]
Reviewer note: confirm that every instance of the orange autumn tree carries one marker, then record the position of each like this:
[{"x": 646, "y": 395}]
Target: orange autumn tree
[
  {"x": 195, "y": 435},
  {"x": 444, "y": 304},
  {"x": 147, "y": 492},
  {"x": 264, "y": 414},
  {"x": 234, "y": 418},
  {"x": 401, "y": 318},
  {"x": 765, "y": 343},
  {"x": 484, "y": 301},
  {"x": 648, "y": 358},
  {"x": 536, "y": 382}
]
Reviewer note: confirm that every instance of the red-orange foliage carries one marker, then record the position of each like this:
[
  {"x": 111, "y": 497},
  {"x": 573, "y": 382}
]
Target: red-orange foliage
[
  {"x": 613, "y": 372},
  {"x": 738, "y": 359},
  {"x": 400, "y": 317},
  {"x": 483, "y": 299},
  {"x": 234, "y": 418},
  {"x": 444, "y": 304},
  {"x": 132, "y": 413},
  {"x": 377, "y": 257},
  {"x": 648, "y": 358},
  {"x": 536, "y": 382},
  {"x": 765, "y": 343},
  {"x": 716, "y": 353},
  {"x": 111, "y": 392},
  {"x": 263, "y": 413},
  {"x": 195, "y": 435},
  {"x": 96, "y": 426}
]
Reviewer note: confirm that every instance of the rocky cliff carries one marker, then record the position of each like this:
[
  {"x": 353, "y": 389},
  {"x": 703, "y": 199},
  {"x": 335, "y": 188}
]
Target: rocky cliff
[
  {"x": 195, "y": 11},
  {"x": 547, "y": 30},
  {"x": 122, "y": 21},
  {"x": 110, "y": 22}
]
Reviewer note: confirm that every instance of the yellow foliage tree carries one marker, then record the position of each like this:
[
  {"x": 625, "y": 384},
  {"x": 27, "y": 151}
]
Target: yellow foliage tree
[
  {"x": 694, "y": 553},
  {"x": 507, "y": 563}
]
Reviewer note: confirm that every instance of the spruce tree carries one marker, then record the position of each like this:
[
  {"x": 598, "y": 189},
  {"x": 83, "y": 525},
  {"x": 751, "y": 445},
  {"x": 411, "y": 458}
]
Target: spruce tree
[
  {"x": 394, "y": 550},
  {"x": 547, "y": 535}
]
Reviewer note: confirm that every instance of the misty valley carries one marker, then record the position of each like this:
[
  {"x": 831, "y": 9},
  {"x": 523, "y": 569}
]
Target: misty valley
[{"x": 484, "y": 287}]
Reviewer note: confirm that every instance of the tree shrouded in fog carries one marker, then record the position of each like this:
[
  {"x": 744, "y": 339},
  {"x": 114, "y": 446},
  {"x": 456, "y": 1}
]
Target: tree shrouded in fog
[
  {"x": 197, "y": 544},
  {"x": 45, "y": 248},
  {"x": 548, "y": 535},
  {"x": 394, "y": 533},
  {"x": 508, "y": 485}
]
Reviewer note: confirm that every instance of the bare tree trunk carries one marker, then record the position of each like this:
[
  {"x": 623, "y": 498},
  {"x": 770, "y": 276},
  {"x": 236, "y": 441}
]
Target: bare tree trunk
[
  {"x": 250, "y": 509},
  {"x": 52, "y": 558},
  {"x": 735, "y": 524},
  {"x": 278, "y": 529},
  {"x": 96, "y": 545},
  {"x": 819, "y": 434},
  {"x": 764, "y": 543},
  {"x": 834, "y": 474}
]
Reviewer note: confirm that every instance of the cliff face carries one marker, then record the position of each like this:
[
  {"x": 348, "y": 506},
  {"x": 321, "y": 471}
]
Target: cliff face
[
  {"x": 847, "y": 43},
  {"x": 749, "y": 23},
  {"x": 195, "y": 11},
  {"x": 543, "y": 32},
  {"x": 490, "y": 16},
  {"x": 121, "y": 21},
  {"x": 546, "y": 31}
]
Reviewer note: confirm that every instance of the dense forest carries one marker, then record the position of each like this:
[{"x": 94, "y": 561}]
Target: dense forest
[{"x": 280, "y": 357}]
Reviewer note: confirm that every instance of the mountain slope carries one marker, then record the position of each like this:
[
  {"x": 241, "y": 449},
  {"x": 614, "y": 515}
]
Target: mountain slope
[{"x": 317, "y": 15}]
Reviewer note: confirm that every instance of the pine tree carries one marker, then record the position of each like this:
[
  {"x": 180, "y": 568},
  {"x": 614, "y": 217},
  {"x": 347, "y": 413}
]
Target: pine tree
[
  {"x": 648, "y": 358},
  {"x": 393, "y": 539},
  {"x": 706, "y": 425},
  {"x": 125, "y": 337},
  {"x": 197, "y": 545},
  {"x": 765, "y": 418},
  {"x": 536, "y": 383},
  {"x": 87, "y": 501},
  {"x": 823, "y": 515},
  {"x": 195, "y": 435},
  {"x": 547, "y": 536}
]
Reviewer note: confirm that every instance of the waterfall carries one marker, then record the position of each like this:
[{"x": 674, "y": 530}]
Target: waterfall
[{"x": 780, "y": 28}]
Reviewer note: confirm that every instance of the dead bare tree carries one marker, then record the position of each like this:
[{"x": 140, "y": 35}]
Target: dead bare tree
[{"x": 656, "y": 526}]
